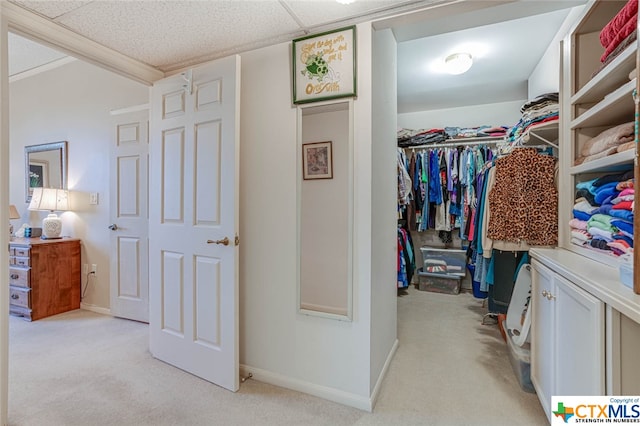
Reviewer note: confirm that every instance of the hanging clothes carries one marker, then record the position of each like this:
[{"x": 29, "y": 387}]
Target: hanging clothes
[
  {"x": 406, "y": 258},
  {"x": 524, "y": 199},
  {"x": 443, "y": 188}
]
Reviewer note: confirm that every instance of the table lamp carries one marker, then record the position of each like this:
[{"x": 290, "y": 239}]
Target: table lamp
[
  {"x": 13, "y": 214},
  {"x": 51, "y": 199}
]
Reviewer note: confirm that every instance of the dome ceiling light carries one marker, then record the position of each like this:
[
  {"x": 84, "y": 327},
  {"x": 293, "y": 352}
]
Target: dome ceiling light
[{"x": 458, "y": 63}]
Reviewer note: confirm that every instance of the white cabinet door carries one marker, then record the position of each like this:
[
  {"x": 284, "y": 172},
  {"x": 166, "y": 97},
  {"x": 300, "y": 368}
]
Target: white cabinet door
[
  {"x": 542, "y": 337},
  {"x": 579, "y": 338},
  {"x": 567, "y": 338}
]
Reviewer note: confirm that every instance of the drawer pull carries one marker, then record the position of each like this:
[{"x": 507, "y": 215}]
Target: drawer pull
[
  {"x": 15, "y": 296},
  {"x": 15, "y": 276}
]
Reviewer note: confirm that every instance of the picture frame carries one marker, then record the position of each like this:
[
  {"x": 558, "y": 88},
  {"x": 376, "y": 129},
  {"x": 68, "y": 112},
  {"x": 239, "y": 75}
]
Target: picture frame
[
  {"x": 317, "y": 160},
  {"x": 324, "y": 66}
]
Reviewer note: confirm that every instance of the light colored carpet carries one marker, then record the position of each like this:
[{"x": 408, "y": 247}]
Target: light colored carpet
[{"x": 81, "y": 368}]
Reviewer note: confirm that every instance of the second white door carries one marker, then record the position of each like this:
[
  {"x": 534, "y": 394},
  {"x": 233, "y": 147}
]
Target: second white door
[
  {"x": 129, "y": 216},
  {"x": 193, "y": 221}
]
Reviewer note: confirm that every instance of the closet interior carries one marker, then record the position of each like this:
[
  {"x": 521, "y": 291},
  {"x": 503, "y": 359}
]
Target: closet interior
[{"x": 544, "y": 202}]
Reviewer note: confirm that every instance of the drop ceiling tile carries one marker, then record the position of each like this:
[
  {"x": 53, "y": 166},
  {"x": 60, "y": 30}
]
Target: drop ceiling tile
[
  {"x": 164, "y": 33},
  {"x": 51, "y": 9},
  {"x": 25, "y": 54}
]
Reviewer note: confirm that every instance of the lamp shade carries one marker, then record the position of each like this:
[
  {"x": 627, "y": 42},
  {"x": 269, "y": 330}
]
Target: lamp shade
[
  {"x": 13, "y": 212},
  {"x": 51, "y": 199}
]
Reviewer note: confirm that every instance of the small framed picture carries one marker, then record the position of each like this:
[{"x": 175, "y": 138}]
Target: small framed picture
[{"x": 317, "y": 161}]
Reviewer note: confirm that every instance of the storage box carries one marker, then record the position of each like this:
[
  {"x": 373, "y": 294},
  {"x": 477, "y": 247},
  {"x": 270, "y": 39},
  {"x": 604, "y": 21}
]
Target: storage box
[
  {"x": 520, "y": 358},
  {"x": 439, "y": 283},
  {"x": 30, "y": 232},
  {"x": 626, "y": 274},
  {"x": 444, "y": 261}
]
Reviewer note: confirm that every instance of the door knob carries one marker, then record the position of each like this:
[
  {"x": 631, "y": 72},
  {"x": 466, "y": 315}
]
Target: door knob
[
  {"x": 224, "y": 241},
  {"x": 113, "y": 226}
]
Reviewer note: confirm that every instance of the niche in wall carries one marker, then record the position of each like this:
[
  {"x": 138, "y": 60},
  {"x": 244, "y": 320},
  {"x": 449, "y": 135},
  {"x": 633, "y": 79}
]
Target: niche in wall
[{"x": 325, "y": 211}]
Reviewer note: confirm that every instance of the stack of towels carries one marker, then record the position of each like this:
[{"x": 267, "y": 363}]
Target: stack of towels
[
  {"x": 616, "y": 139},
  {"x": 620, "y": 31},
  {"x": 603, "y": 214}
]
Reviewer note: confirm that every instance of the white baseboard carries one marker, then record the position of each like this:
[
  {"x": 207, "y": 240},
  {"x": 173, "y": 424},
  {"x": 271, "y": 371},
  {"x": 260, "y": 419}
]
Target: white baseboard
[
  {"x": 96, "y": 309},
  {"x": 383, "y": 373},
  {"x": 332, "y": 394}
]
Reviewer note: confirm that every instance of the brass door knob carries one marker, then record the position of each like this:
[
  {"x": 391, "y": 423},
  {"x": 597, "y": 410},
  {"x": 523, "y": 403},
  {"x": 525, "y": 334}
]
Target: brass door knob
[{"x": 224, "y": 241}]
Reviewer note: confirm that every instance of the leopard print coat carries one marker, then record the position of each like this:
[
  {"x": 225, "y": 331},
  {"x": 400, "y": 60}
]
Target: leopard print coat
[{"x": 524, "y": 199}]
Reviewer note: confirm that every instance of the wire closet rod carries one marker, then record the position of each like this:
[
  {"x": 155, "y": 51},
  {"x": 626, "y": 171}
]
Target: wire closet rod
[{"x": 461, "y": 142}]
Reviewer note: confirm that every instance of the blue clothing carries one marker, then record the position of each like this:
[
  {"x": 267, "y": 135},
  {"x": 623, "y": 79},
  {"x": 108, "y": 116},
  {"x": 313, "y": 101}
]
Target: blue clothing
[
  {"x": 622, "y": 214},
  {"x": 424, "y": 220},
  {"x": 581, "y": 215},
  {"x": 603, "y": 192},
  {"x": 523, "y": 261},
  {"x": 480, "y": 212},
  {"x": 588, "y": 185},
  {"x": 605, "y": 209},
  {"x": 623, "y": 225},
  {"x": 435, "y": 190}
]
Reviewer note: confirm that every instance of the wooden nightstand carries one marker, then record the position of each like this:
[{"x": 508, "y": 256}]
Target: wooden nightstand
[{"x": 44, "y": 277}]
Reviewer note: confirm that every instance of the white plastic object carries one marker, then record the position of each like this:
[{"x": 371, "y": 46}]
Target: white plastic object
[{"x": 518, "y": 332}]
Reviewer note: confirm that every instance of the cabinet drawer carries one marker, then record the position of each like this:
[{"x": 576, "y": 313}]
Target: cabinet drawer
[
  {"x": 19, "y": 296},
  {"x": 19, "y": 277},
  {"x": 21, "y": 251},
  {"x": 20, "y": 261}
]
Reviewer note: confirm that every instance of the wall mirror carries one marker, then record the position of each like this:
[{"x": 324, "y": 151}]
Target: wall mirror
[
  {"x": 45, "y": 166},
  {"x": 325, "y": 210}
]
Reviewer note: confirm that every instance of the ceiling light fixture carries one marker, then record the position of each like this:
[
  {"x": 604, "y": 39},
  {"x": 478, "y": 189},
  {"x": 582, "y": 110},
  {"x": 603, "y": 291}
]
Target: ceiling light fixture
[
  {"x": 345, "y": 1},
  {"x": 458, "y": 63}
]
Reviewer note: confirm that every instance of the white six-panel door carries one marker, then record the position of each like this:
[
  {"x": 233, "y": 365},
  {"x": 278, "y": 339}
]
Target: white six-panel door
[
  {"x": 193, "y": 221},
  {"x": 129, "y": 217}
]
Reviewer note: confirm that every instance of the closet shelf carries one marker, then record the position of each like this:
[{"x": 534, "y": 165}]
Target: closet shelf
[
  {"x": 608, "y": 79},
  {"x": 611, "y": 163},
  {"x": 615, "y": 108}
]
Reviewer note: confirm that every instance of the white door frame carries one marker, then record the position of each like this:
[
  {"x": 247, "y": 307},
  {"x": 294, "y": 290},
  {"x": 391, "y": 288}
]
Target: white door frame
[
  {"x": 4, "y": 217},
  {"x": 41, "y": 30}
]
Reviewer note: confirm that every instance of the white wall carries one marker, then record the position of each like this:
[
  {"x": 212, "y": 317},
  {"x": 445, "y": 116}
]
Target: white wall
[
  {"x": 317, "y": 355},
  {"x": 383, "y": 206},
  {"x": 497, "y": 114},
  {"x": 545, "y": 78},
  {"x": 72, "y": 103}
]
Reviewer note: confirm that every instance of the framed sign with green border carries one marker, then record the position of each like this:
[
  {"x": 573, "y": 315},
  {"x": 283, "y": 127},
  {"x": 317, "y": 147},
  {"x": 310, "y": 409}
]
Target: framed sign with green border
[{"x": 324, "y": 66}]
